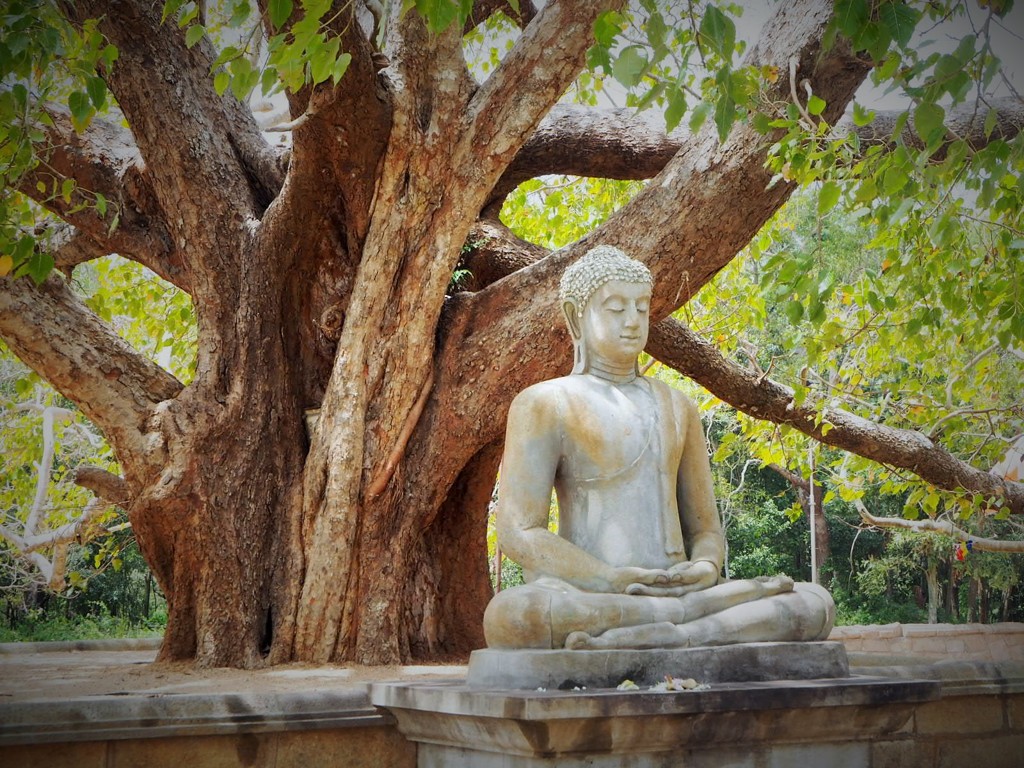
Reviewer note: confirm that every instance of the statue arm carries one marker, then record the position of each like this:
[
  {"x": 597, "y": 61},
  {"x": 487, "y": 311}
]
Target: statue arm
[
  {"x": 702, "y": 527},
  {"x": 532, "y": 453}
]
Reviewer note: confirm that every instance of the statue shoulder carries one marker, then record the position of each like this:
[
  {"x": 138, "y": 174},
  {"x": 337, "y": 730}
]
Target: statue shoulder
[
  {"x": 684, "y": 406},
  {"x": 545, "y": 400},
  {"x": 679, "y": 399}
]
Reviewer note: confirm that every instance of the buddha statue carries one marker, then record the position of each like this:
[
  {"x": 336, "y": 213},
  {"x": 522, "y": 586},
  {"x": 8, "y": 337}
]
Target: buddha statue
[{"x": 637, "y": 558}]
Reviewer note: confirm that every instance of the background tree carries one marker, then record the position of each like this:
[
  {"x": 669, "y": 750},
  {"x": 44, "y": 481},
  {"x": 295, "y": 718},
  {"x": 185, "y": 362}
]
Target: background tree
[{"x": 321, "y": 275}]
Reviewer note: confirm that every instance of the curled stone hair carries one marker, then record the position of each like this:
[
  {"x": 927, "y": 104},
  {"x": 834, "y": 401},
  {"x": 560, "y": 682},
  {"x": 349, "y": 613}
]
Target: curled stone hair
[
  {"x": 580, "y": 281},
  {"x": 598, "y": 266}
]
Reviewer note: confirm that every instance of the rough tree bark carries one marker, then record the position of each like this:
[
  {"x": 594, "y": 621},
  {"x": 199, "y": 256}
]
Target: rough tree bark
[{"x": 325, "y": 285}]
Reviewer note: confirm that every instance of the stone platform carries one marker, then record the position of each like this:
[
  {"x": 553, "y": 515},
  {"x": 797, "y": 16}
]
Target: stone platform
[
  {"x": 571, "y": 670},
  {"x": 77, "y": 706},
  {"x": 928, "y": 716}
]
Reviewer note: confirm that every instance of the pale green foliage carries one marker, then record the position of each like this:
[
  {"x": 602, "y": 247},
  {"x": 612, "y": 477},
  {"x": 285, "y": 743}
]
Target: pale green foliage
[
  {"x": 159, "y": 321},
  {"x": 22, "y": 398},
  {"x": 853, "y": 343},
  {"x": 43, "y": 59},
  {"x": 558, "y": 210},
  {"x": 151, "y": 314},
  {"x": 678, "y": 57}
]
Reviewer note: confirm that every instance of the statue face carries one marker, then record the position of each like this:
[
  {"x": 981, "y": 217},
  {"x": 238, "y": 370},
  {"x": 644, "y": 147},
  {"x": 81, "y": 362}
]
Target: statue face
[{"x": 615, "y": 322}]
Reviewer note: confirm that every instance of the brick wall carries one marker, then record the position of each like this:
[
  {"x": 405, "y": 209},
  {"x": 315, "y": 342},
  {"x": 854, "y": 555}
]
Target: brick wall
[{"x": 978, "y": 642}]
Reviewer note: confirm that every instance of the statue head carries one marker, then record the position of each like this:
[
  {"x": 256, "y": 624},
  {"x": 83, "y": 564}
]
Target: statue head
[{"x": 602, "y": 270}]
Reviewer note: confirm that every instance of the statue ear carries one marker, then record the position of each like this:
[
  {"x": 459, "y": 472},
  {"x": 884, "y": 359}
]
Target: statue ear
[{"x": 573, "y": 318}]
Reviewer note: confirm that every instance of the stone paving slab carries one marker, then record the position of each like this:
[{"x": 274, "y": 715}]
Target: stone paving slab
[{"x": 64, "y": 695}]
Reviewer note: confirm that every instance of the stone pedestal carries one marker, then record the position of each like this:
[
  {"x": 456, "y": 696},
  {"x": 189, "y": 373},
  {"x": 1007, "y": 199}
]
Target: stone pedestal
[
  {"x": 569, "y": 670},
  {"x": 744, "y": 725},
  {"x": 758, "y": 704}
]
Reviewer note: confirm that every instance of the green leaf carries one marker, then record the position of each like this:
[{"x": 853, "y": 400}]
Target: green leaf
[
  {"x": 101, "y": 204},
  {"x": 900, "y": 19},
  {"x": 171, "y": 7},
  {"x": 38, "y": 266},
  {"x": 629, "y": 67},
  {"x": 828, "y": 197},
  {"x": 97, "y": 90},
  {"x": 725, "y": 116},
  {"x": 699, "y": 115},
  {"x": 606, "y": 27},
  {"x": 852, "y": 16},
  {"x": 194, "y": 35},
  {"x": 279, "y": 11},
  {"x": 720, "y": 31},
  {"x": 340, "y": 67},
  {"x": 321, "y": 64},
  {"x": 239, "y": 13},
  {"x": 815, "y": 105},
  {"x": 439, "y": 14},
  {"x": 794, "y": 311},
  {"x": 990, "y": 122},
  {"x": 675, "y": 109},
  {"x": 929, "y": 122},
  {"x": 220, "y": 82},
  {"x": 862, "y": 116},
  {"x": 81, "y": 109}
]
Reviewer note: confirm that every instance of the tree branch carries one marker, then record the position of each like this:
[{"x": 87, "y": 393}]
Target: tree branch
[
  {"x": 507, "y": 108},
  {"x": 940, "y": 526},
  {"x": 965, "y": 121},
  {"x": 493, "y": 251},
  {"x": 345, "y": 130},
  {"x": 207, "y": 162},
  {"x": 758, "y": 396},
  {"x": 68, "y": 245},
  {"x": 614, "y": 144},
  {"x": 585, "y": 141},
  {"x": 484, "y": 9},
  {"x": 49, "y": 329},
  {"x": 102, "y": 160},
  {"x": 107, "y": 486}
]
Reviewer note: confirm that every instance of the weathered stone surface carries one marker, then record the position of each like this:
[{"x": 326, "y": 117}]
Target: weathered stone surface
[
  {"x": 963, "y": 714},
  {"x": 142, "y": 716},
  {"x": 993, "y": 752},
  {"x": 905, "y": 753},
  {"x": 549, "y": 723},
  {"x": 348, "y": 747},
  {"x": 85, "y": 755},
  {"x": 566, "y": 670},
  {"x": 249, "y": 750}
]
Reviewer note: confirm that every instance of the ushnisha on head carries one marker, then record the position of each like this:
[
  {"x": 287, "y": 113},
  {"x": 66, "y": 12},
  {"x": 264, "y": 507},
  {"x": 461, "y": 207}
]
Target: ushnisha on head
[{"x": 583, "y": 278}]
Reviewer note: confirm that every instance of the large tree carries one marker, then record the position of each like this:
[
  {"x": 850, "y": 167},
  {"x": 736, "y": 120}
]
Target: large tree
[{"x": 321, "y": 277}]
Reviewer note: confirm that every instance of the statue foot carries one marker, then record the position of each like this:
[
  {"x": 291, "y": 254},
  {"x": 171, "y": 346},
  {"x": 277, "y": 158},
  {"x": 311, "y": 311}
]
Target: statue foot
[
  {"x": 662, "y": 634},
  {"x": 578, "y": 641},
  {"x": 775, "y": 585}
]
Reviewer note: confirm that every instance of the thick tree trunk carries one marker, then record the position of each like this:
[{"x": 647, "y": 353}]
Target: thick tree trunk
[{"x": 932, "y": 575}]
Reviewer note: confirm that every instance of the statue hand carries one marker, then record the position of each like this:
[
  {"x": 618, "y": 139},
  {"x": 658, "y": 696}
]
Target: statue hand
[
  {"x": 684, "y": 578},
  {"x": 626, "y": 579}
]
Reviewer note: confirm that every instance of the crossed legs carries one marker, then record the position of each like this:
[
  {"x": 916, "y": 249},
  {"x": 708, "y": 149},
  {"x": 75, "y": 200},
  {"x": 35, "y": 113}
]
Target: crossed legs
[{"x": 549, "y": 613}]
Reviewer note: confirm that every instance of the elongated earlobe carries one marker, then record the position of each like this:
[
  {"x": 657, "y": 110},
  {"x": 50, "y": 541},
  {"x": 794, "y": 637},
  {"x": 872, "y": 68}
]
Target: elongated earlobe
[{"x": 573, "y": 318}]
